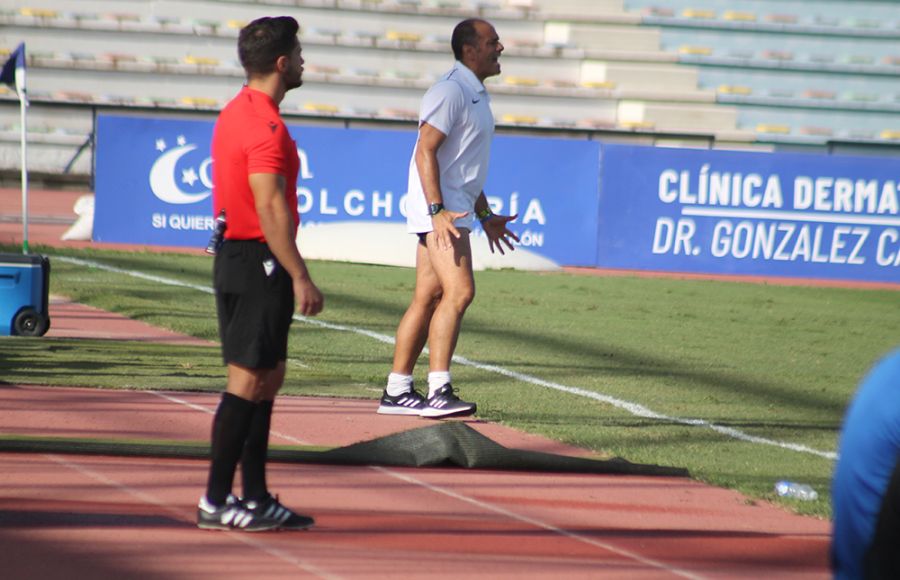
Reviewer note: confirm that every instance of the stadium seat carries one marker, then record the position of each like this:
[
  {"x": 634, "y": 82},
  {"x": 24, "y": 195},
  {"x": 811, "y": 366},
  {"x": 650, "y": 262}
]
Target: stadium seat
[
  {"x": 396, "y": 113},
  {"x": 596, "y": 123},
  {"x": 777, "y": 55},
  {"x": 403, "y": 37},
  {"x": 367, "y": 37},
  {"x": 598, "y": 84},
  {"x": 822, "y": 20},
  {"x": 699, "y": 13},
  {"x": 695, "y": 50},
  {"x": 739, "y": 16},
  {"x": 513, "y": 119},
  {"x": 199, "y": 102},
  {"x": 773, "y": 128},
  {"x": 866, "y": 23},
  {"x": 521, "y": 81},
  {"x": 322, "y": 108},
  {"x": 637, "y": 125},
  {"x": 822, "y": 58},
  {"x": 662, "y": 11},
  {"x": 201, "y": 60},
  {"x": 74, "y": 96},
  {"x": 864, "y": 59},
  {"x": 817, "y": 131},
  {"x": 781, "y": 18},
  {"x": 862, "y": 97},
  {"x": 41, "y": 13},
  {"x": 556, "y": 70},
  {"x": 321, "y": 69},
  {"x": 818, "y": 94},
  {"x": 734, "y": 90}
]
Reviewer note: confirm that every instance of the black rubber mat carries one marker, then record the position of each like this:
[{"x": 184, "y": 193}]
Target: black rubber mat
[{"x": 444, "y": 444}]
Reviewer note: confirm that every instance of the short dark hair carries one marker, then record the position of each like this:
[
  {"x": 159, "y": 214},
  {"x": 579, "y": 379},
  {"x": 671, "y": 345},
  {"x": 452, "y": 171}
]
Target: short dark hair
[
  {"x": 464, "y": 33},
  {"x": 261, "y": 42}
]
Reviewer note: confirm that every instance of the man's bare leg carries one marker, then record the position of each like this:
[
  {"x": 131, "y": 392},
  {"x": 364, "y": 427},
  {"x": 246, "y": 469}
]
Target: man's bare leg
[
  {"x": 412, "y": 332},
  {"x": 453, "y": 270}
]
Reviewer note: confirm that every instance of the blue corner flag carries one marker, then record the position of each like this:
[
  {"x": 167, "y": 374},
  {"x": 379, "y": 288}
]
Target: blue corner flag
[{"x": 10, "y": 74}]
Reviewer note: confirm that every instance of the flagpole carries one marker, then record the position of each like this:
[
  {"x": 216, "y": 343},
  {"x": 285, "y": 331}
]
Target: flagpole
[
  {"x": 13, "y": 74},
  {"x": 23, "y": 104}
]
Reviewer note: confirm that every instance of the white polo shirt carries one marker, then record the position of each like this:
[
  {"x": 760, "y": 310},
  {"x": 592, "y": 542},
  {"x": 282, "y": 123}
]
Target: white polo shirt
[{"x": 458, "y": 106}]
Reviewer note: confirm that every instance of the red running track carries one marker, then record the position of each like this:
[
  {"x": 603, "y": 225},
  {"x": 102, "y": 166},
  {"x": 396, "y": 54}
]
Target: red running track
[{"x": 68, "y": 516}]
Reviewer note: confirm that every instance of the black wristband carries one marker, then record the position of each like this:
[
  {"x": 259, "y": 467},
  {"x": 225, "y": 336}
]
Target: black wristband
[{"x": 435, "y": 208}]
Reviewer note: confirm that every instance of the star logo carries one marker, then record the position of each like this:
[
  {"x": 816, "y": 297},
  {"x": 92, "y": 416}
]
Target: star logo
[
  {"x": 160, "y": 145},
  {"x": 189, "y": 176}
]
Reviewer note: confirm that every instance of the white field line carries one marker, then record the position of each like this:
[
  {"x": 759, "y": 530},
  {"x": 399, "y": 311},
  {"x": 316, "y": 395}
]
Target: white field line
[
  {"x": 538, "y": 523},
  {"x": 180, "y": 516},
  {"x": 633, "y": 408},
  {"x": 209, "y": 411}
]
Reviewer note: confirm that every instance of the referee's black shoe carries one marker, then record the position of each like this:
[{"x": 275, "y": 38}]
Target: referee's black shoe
[
  {"x": 231, "y": 516},
  {"x": 271, "y": 510},
  {"x": 444, "y": 403}
]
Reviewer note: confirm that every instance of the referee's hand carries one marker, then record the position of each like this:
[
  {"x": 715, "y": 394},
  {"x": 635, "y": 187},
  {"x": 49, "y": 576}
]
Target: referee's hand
[{"x": 308, "y": 298}]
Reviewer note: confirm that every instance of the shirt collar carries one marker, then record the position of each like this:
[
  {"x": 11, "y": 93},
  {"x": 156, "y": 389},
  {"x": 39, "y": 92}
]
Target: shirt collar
[
  {"x": 468, "y": 77},
  {"x": 260, "y": 99}
]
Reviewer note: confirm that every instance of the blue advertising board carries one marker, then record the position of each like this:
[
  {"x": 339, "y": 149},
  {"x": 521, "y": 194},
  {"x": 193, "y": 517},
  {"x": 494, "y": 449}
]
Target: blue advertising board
[
  {"x": 579, "y": 203},
  {"x": 726, "y": 212},
  {"x": 153, "y": 181},
  {"x": 153, "y": 184}
]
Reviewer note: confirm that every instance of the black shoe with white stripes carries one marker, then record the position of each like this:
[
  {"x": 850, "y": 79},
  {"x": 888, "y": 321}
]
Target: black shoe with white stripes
[
  {"x": 445, "y": 403},
  {"x": 231, "y": 516},
  {"x": 270, "y": 509},
  {"x": 410, "y": 403}
]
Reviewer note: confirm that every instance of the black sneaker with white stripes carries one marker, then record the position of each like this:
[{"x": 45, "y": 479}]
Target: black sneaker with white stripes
[
  {"x": 445, "y": 403},
  {"x": 270, "y": 509},
  {"x": 410, "y": 403},
  {"x": 231, "y": 516}
]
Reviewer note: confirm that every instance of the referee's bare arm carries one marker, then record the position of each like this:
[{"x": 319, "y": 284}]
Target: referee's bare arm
[{"x": 277, "y": 225}]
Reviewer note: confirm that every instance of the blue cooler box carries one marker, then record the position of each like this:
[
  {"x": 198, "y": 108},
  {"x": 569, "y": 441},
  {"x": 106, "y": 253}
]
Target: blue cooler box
[{"x": 24, "y": 291}]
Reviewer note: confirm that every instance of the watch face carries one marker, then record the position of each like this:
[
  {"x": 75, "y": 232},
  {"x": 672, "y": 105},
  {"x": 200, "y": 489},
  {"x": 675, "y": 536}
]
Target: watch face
[{"x": 435, "y": 208}]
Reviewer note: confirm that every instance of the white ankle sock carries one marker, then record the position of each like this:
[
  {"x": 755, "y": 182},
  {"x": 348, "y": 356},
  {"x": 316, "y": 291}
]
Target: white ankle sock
[
  {"x": 436, "y": 380},
  {"x": 399, "y": 384}
]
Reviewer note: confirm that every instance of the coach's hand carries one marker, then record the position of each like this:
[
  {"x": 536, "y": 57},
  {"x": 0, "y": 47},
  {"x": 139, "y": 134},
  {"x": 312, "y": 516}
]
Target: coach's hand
[
  {"x": 444, "y": 228},
  {"x": 308, "y": 297},
  {"x": 495, "y": 229}
]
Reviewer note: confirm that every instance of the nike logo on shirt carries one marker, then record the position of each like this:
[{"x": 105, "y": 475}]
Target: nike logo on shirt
[{"x": 476, "y": 101}]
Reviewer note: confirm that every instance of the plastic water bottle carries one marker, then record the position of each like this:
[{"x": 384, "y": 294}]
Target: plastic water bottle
[
  {"x": 217, "y": 237},
  {"x": 795, "y": 490}
]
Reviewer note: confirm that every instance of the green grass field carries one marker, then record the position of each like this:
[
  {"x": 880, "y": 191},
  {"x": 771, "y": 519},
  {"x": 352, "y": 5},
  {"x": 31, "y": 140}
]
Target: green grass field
[{"x": 775, "y": 362}]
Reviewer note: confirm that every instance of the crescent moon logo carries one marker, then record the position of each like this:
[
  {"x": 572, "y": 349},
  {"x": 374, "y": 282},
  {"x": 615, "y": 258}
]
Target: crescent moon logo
[{"x": 162, "y": 178}]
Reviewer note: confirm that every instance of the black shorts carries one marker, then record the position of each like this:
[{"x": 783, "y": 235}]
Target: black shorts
[{"x": 254, "y": 302}]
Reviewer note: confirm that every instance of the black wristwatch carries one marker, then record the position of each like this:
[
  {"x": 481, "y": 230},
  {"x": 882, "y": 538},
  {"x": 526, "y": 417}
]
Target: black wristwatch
[{"x": 435, "y": 209}]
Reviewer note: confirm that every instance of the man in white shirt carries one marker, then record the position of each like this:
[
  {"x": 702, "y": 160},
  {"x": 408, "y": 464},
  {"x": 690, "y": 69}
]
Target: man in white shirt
[{"x": 446, "y": 179}]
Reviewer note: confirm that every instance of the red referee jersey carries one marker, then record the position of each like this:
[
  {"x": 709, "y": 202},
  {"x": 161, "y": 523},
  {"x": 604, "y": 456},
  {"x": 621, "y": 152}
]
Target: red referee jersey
[{"x": 250, "y": 137}]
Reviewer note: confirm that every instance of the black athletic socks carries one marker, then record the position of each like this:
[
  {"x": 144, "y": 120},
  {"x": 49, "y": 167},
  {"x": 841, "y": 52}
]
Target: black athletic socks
[
  {"x": 229, "y": 433},
  {"x": 256, "y": 449}
]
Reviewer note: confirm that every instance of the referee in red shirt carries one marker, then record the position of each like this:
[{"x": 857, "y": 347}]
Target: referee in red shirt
[{"x": 259, "y": 275}]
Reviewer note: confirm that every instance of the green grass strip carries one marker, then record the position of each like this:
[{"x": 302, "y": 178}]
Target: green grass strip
[{"x": 776, "y": 362}]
